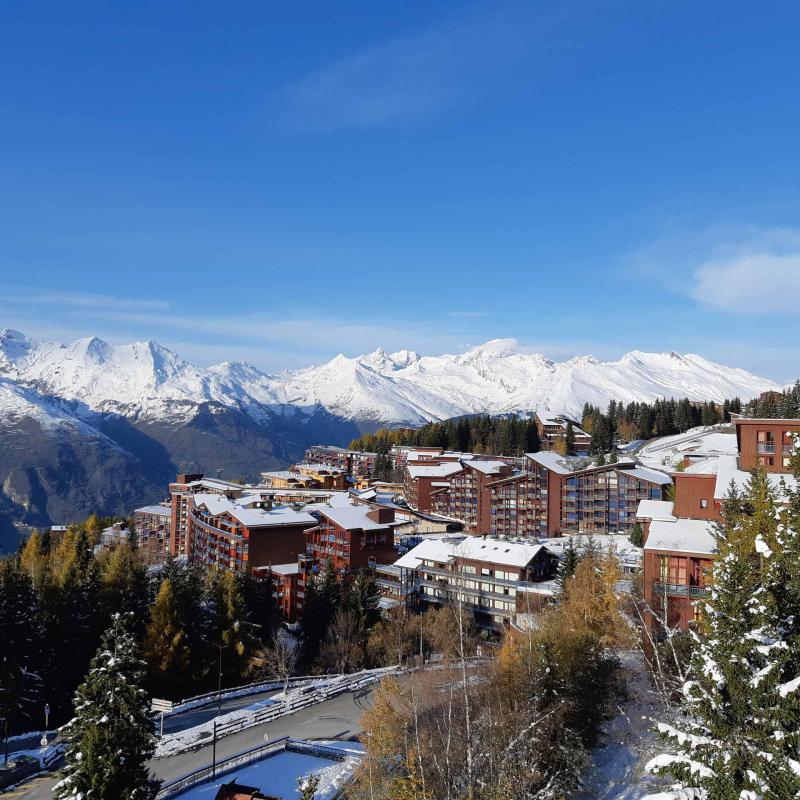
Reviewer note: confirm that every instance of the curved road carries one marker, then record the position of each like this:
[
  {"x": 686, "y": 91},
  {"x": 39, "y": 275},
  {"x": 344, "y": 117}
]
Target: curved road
[{"x": 337, "y": 718}]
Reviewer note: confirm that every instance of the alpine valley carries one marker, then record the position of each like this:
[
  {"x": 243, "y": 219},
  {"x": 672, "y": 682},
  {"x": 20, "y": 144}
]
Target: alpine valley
[{"x": 91, "y": 426}]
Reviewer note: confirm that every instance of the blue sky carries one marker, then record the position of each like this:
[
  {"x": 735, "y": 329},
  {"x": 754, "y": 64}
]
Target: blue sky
[{"x": 279, "y": 182}]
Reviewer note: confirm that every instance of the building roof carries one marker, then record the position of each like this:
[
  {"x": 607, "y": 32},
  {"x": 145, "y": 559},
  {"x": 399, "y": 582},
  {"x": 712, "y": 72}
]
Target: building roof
[
  {"x": 473, "y": 548},
  {"x": 435, "y": 549},
  {"x": 162, "y": 511},
  {"x": 728, "y": 471},
  {"x": 354, "y": 518},
  {"x": 655, "y": 509},
  {"x": 254, "y": 517},
  {"x": 320, "y": 468},
  {"x": 650, "y": 475},
  {"x": 682, "y": 536},
  {"x": 497, "y": 551},
  {"x": 286, "y": 569},
  {"x": 487, "y": 467},
  {"x": 286, "y": 474},
  {"x": 434, "y": 470},
  {"x": 552, "y": 461},
  {"x": 705, "y": 466}
]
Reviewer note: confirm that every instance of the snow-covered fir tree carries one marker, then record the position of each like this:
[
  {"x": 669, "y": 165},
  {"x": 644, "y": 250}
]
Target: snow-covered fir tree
[
  {"x": 112, "y": 732},
  {"x": 739, "y": 739}
]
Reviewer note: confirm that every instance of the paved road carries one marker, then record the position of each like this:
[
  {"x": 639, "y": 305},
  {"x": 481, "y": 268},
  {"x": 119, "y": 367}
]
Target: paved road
[
  {"x": 196, "y": 716},
  {"x": 337, "y": 718}
]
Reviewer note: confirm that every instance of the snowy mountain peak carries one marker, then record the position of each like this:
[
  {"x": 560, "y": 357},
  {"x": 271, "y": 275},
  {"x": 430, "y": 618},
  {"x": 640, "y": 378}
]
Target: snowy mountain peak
[
  {"x": 144, "y": 378},
  {"x": 494, "y": 348}
]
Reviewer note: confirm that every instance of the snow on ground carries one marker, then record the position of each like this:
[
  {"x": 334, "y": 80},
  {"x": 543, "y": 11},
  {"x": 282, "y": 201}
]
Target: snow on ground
[
  {"x": 280, "y": 774},
  {"x": 242, "y": 718},
  {"x": 628, "y": 741},
  {"x": 710, "y": 441}
]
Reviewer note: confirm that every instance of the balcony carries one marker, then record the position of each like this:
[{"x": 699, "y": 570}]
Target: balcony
[
  {"x": 765, "y": 448},
  {"x": 680, "y": 590}
]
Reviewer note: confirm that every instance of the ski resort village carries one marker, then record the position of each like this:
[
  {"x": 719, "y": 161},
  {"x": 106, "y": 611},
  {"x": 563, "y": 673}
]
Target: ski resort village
[
  {"x": 555, "y": 602},
  {"x": 399, "y": 400}
]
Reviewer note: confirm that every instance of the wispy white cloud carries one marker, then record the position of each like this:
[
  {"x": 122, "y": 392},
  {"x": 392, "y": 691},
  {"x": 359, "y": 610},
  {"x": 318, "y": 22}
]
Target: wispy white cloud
[
  {"x": 417, "y": 75},
  {"x": 82, "y": 300},
  {"x": 745, "y": 271}
]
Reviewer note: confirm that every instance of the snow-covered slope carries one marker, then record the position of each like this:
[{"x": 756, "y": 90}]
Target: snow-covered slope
[{"x": 145, "y": 379}]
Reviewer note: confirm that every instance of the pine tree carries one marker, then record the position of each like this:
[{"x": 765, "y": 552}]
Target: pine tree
[
  {"x": 22, "y": 648},
  {"x": 637, "y": 535},
  {"x": 112, "y": 732},
  {"x": 732, "y": 699},
  {"x": 568, "y": 564}
]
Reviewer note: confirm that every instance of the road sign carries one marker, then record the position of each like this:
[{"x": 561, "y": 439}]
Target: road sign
[{"x": 161, "y": 705}]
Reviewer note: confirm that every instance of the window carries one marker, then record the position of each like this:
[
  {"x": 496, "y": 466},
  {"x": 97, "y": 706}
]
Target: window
[
  {"x": 766, "y": 461},
  {"x": 704, "y": 504}
]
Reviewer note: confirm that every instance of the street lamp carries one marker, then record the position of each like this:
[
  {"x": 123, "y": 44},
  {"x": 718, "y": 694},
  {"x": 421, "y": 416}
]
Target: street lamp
[{"x": 46, "y": 724}]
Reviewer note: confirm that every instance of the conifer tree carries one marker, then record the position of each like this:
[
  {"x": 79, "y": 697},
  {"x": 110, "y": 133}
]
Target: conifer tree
[
  {"x": 739, "y": 740},
  {"x": 112, "y": 732},
  {"x": 568, "y": 564},
  {"x": 22, "y": 648}
]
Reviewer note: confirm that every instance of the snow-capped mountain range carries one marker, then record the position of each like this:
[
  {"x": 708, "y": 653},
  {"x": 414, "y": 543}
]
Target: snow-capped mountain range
[
  {"x": 144, "y": 379},
  {"x": 91, "y": 426}
]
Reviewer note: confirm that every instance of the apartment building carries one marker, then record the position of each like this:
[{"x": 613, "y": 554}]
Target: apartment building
[
  {"x": 551, "y": 495},
  {"x": 287, "y": 479},
  {"x": 323, "y": 476},
  {"x": 186, "y": 486},
  {"x": 181, "y": 493},
  {"x": 350, "y": 538},
  {"x": 702, "y": 486},
  {"x": 466, "y": 496},
  {"x": 422, "y": 479},
  {"x": 680, "y": 547},
  {"x": 487, "y": 576},
  {"x": 235, "y": 534},
  {"x": 152, "y": 526},
  {"x": 355, "y": 463},
  {"x": 678, "y": 560},
  {"x": 552, "y": 430}
]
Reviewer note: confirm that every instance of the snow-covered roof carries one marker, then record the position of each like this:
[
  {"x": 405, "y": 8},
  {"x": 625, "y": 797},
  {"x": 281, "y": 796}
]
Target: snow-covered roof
[
  {"x": 682, "y": 536},
  {"x": 353, "y": 518},
  {"x": 474, "y": 548},
  {"x": 705, "y": 466},
  {"x": 487, "y": 467},
  {"x": 253, "y": 517},
  {"x": 434, "y": 470},
  {"x": 439, "y": 549},
  {"x": 286, "y": 569},
  {"x": 285, "y": 474},
  {"x": 655, "y": 509},
  {"x": 617, "y": 544},
  {"x": 650, "y": 475},
  {"x": 728, "y": 471},
  {"x": 162, "y": 511},
  {"x": 552, "y": 461},
  {"x": 497, "y": 551}
]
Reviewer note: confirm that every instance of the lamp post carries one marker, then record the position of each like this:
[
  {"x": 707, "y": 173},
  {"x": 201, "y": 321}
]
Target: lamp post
[{"x": 46, "y": 724}]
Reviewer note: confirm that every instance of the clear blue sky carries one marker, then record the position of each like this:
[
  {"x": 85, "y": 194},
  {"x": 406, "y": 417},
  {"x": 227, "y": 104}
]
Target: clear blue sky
[{"x": 278, "y": 182}]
